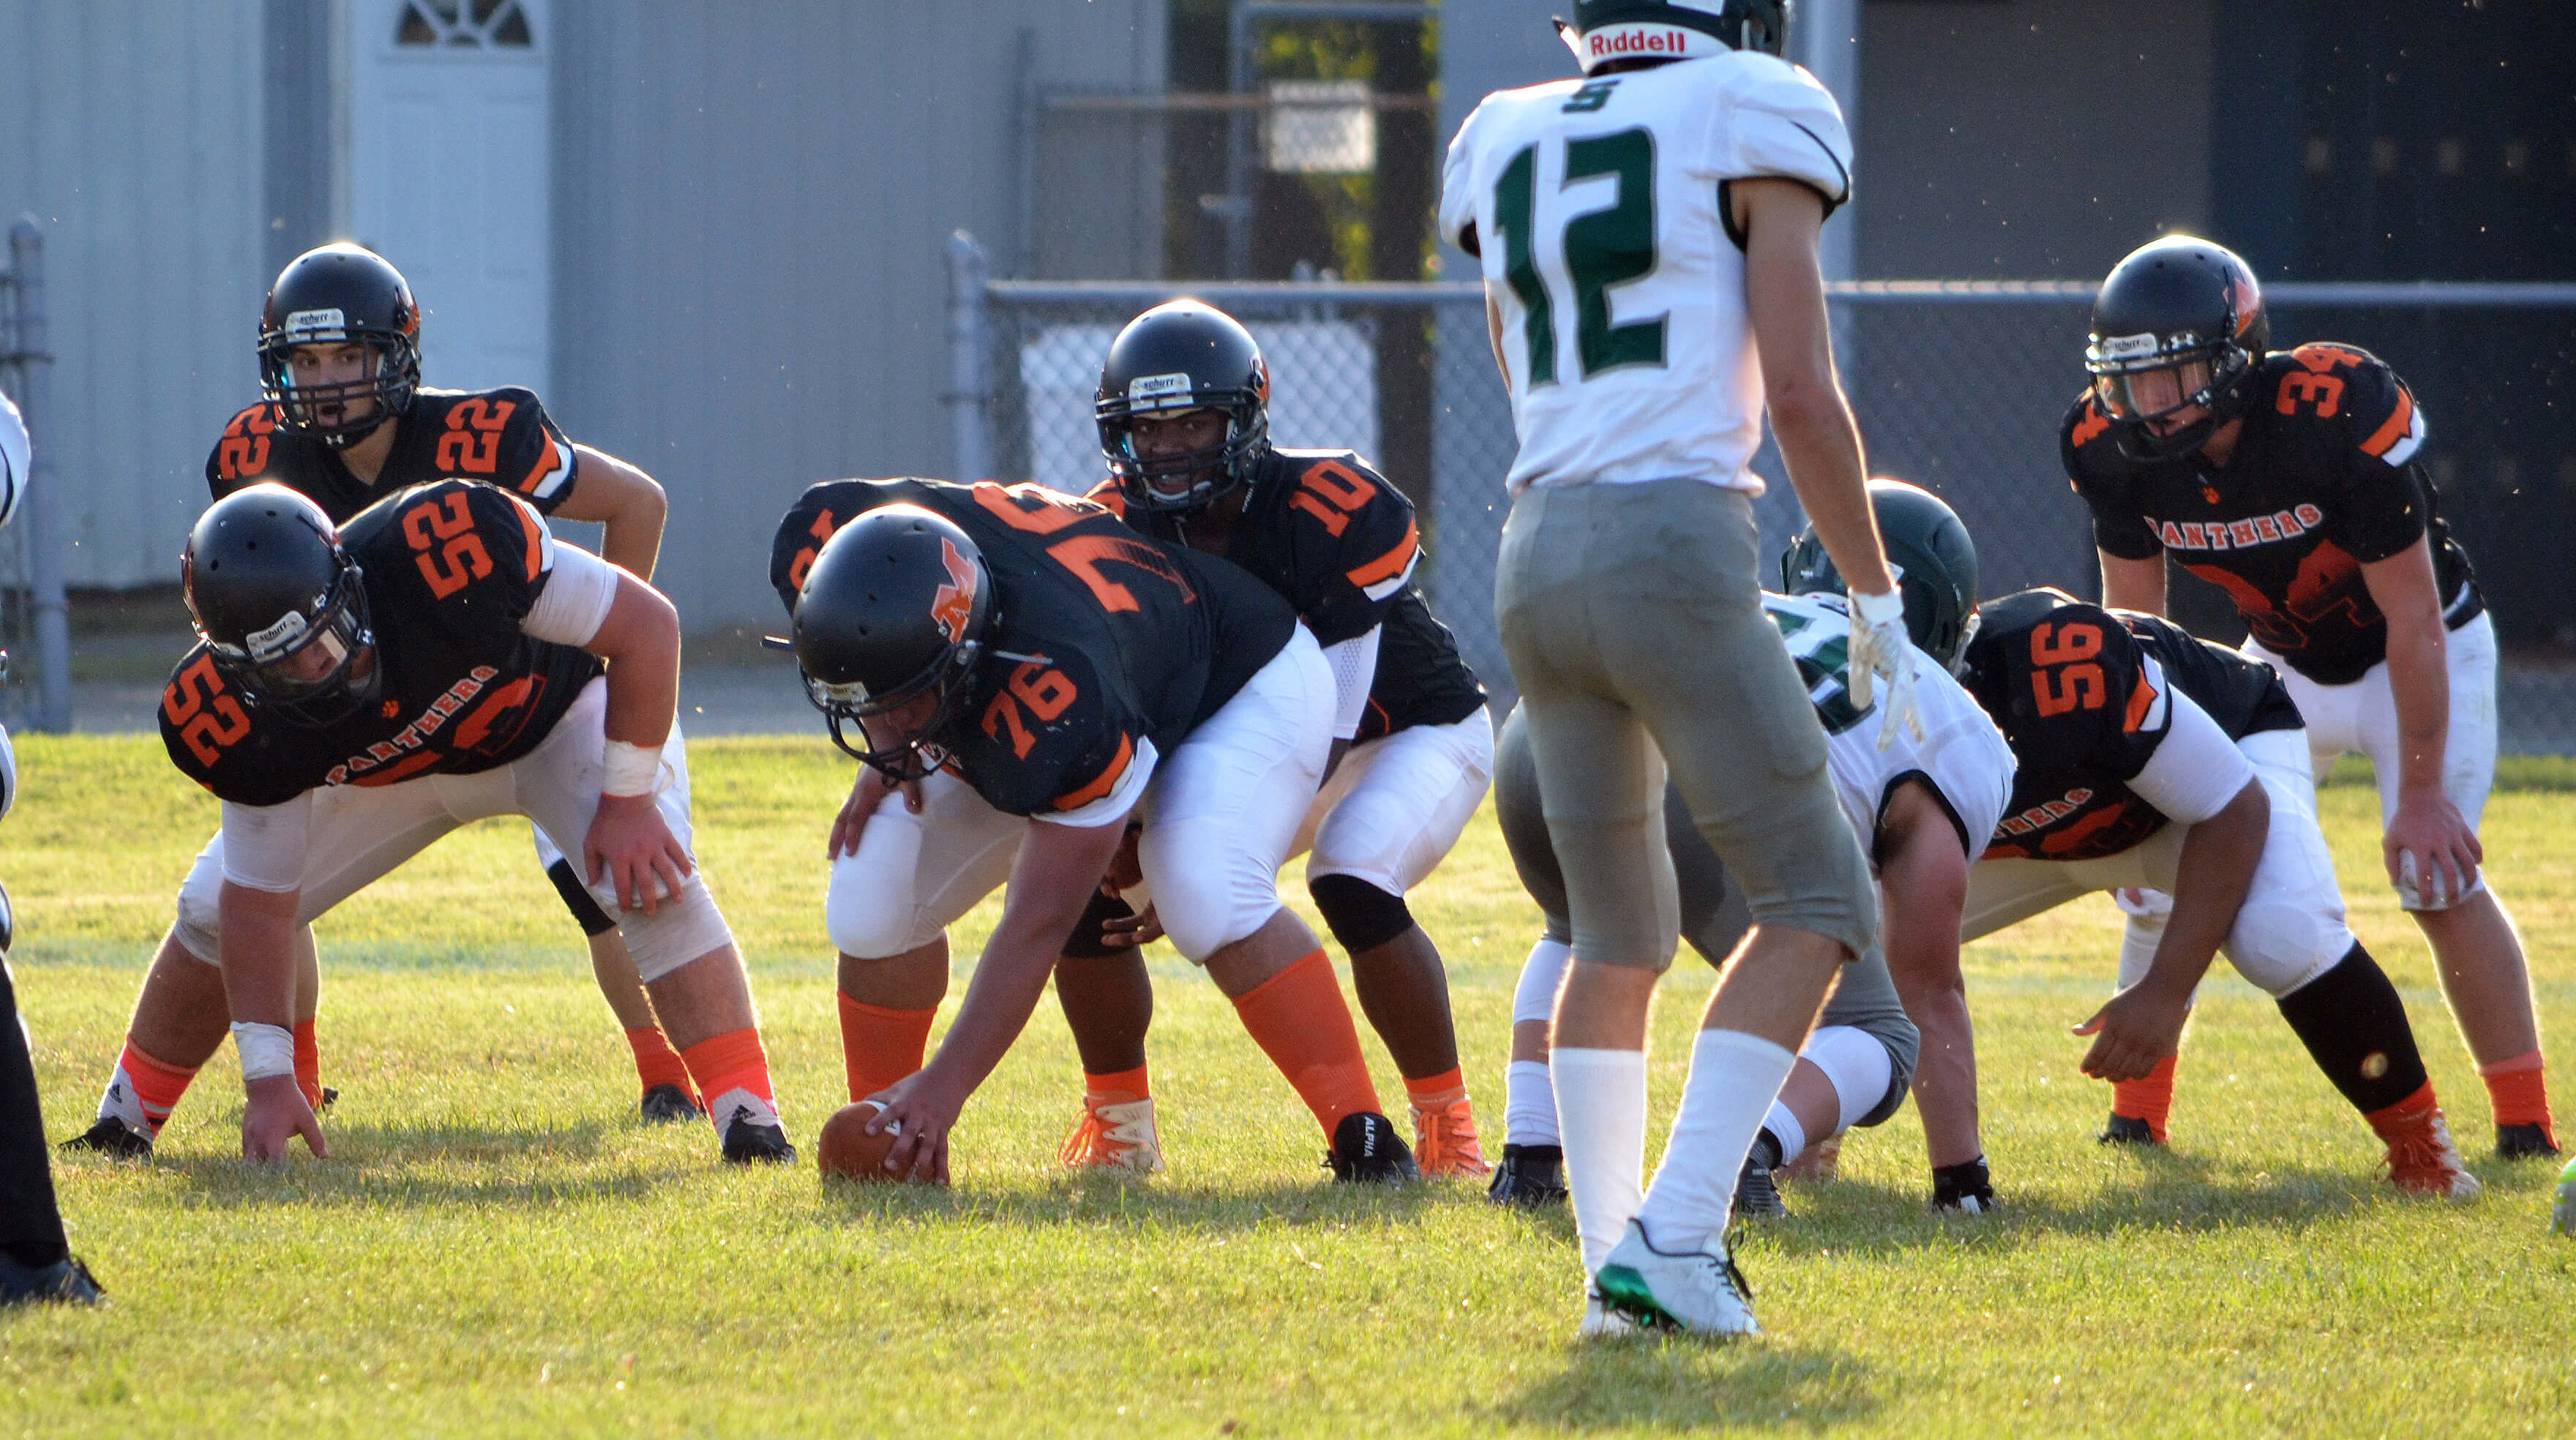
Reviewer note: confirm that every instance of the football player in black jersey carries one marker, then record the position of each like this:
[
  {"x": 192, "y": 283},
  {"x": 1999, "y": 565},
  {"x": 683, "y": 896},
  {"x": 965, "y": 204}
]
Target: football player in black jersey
[
  {"x": 2294, "y": 481},
  {"x": 1183, "y": 409},
  {"x": 353, "y": 696},
  {"x": 1029, "y": 673},
  {"x": 2152, "y": 760},
  {"x": 345, "y": 421}
]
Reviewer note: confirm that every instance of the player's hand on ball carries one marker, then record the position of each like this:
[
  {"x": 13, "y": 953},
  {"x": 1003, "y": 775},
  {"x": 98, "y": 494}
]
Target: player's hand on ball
[
  {"x": 2140, "y": 1027},
  {"x": 1880, "y": 651},
  {"x": 276, "y": 1113},
  {"x": 633, "y": 848},
  {"x": 2432, "y": 853},
  {"x": 923, "y": 1111},
  {"x": 866, "y": 795}
]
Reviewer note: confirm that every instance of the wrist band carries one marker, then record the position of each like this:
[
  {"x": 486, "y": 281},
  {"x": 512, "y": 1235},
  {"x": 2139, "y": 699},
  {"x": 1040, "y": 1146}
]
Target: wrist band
[
  {"x": 629, "y": 769},
  {"x": 1878, "y": 609},
  {"x": 266, "y": 1050}
]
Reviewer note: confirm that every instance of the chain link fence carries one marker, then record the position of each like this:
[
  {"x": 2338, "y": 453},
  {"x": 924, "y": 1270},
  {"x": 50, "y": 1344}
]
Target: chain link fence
[
  {"x": 34, "y": 624},
  {"x": 1958, "y": 387}
]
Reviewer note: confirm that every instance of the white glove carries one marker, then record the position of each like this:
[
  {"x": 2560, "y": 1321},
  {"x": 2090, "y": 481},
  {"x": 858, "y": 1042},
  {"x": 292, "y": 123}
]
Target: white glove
[{"x": 1879, "y": 648}]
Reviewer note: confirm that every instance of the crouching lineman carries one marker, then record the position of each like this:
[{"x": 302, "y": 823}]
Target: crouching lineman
[
  {"x": 1922, "y": 808},
  {"x": 2155, "y": 760},
  {"x": 1029, "y": 672},
  {"x": 1184, "y": 424},
  {"x": 357, "y": 694}
]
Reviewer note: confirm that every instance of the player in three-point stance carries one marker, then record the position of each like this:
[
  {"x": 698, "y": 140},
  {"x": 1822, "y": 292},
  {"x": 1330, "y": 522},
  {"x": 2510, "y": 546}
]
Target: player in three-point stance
[
  {"x": 1184, "y": 424},
  {"x": 1648, "y": 241},
  {"x": 356, "y": 694},
  {"x": 1029, "y": 672},
  {"x": 344, "y": 423},
  {"x": 2294, "y": 481},
  {"x": 1921, "y": 807}
]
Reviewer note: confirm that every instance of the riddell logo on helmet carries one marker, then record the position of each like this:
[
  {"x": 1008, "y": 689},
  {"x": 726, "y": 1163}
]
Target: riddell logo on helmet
[
  {"x": 1617, "y": 41},
  {"x": 954, "y": 605}
]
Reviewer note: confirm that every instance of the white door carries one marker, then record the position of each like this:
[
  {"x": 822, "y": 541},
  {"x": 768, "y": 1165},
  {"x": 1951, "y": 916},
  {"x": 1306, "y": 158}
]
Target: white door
[{"x": 449, "y": 176}]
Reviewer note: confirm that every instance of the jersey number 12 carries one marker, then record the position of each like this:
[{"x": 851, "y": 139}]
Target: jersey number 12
[{"x": 1602, "y": 248}]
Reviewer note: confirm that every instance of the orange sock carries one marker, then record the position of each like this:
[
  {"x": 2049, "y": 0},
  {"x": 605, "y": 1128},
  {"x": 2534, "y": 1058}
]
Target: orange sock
[
  {"x": 1438, "y": 1091},
  {"x": 2518, "y": 1090},
  {"x": 308, "y": 1063},
  {"x": 1125, "y": 1086},
  {"x": 880, "y": 1046},
  {"x": 154, "y": 1085},
  {"x": 732, "y": 1072},
  {"x": 1298, "y": 1018},
  {"x": 2406, "y": 1116},
  {"x": 656, "y": 1063},
  {"x": 2149, "y": 1099}
]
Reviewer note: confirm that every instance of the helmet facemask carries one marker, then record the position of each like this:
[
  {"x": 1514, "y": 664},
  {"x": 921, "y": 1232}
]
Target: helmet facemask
[
  {"x": 2140, "y": 380},
  {"x": 308, "y": 663},
  {"x": 914, "y": 755},
  {"x": 1213, "y": 471},
  {"x": 393, "y": 375}
]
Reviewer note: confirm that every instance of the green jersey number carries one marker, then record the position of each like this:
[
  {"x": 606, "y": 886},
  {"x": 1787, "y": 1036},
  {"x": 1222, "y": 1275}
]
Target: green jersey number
[
  {"x": 1602, "y": 248},
  {"x": 1823, "y": 653}
]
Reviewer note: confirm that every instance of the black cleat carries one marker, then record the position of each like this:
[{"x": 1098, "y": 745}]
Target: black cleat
[
  {"x": 668, "y": 1104},
  {"x": 112, "y": 1138},
  {"x": 2127, "y": 1130},
  {"x": 2525, "y": 1142},
  {"x": 1964, "y": 1189},
  {"x": 1531, "y": 1176},
  {"x": 66, "y": 1281},
  {"x": 330, "y": 1097},
  {"x": 748, "y": 1142},
  {"x": 1756, "y": 1197},
  {"x": 1367, "y": 1151}
]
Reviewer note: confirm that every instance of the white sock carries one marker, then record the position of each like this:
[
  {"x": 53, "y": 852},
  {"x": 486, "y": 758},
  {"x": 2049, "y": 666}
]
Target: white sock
[
  {"x": 1784, "y": 1127},
  {"x": 1529, "y": 1104},
  {"x": 119, "y": 1102},
  {"x": 1601, "y": 1106},
  {"x": 1734, "y": 1077}
]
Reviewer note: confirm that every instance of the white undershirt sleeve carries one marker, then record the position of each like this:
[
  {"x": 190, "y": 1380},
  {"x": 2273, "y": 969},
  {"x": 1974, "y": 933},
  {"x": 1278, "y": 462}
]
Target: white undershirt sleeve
[
  {"x": 579, "y": 591},
  {"x": 2196, "y": 769},
  {"x": 264, "y": 844},
  {"x": 1354, "y": 663}
]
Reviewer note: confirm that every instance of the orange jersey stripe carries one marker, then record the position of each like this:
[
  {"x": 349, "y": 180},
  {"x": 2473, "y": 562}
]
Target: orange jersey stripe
[
  {"x": 1107, "y": 782},
  {"x": 1392, "y": 563},
  {"x": 544, "y": 467},
  {"x": 535, "y": 536},
  {"x": 2399, "y": 421},
  {"x": 2141, "y": 700}
]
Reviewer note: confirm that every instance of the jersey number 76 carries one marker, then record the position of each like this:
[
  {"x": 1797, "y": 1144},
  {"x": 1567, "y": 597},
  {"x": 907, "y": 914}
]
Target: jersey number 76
[{"x": 1602, "y": 248}]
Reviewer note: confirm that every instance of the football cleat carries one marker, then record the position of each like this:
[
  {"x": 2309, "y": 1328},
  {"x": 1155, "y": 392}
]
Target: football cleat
[
  {"x": 66, "y": 1281},
  {"x": 1600, "y": 1322},
  {"x": 1756, "y": 1197},
  {"x": 747, "y": 1142},
  {"x": 667, "y": 1104},
  {"x": 2127, "y": 1130},
  {"x": 1444, "y": 1142},
  {"x": 1114, "y": 1135},
  {"x": 2421, "y": 1158},
  {"x": 112, "y": 1138},
  {"x": 1696, "y": 1292},
  {"x": 1531, "y": 1176},
  {"x": 1367, "y": 1151},
  {"x": 330, "y": 1097},
  {"x": 1965, "y": 1189},
  {"x": 2525, "y": 1142}
]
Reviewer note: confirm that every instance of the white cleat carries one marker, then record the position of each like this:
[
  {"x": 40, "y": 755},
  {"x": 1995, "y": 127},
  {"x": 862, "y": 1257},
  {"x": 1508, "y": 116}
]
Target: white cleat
[
  {"x": 1696, "y": 1292},
  {"x": 1600, "y": 1322},
  {"x": 1117, "y": 1136}
]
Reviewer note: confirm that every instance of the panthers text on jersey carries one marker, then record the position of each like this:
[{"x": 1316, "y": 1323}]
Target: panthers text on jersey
[
  {"x": 1599, "y": 210},
  {"x": 2324, "y": 479},
  {"x": 1962, "y": 757},
  {"x": 499, "y": 437},
  {"x": 1106, "y": 638},
  {"x": 1328, "y": 532},
  {"x": 450, "y": 571},
  {"x": 2084, "y": 697}
]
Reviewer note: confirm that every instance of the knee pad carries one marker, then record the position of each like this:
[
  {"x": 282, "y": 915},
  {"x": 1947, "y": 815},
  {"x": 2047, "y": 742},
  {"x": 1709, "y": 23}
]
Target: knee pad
[
  {"x": 1862, "y": 1069},
  {"x": 679, "y": 930},
  {"x": 578, "y": 899},
  {"x": 869, "y": 913},
  {"x": 198, "y": 927},
  {"x": 1360, "y": 915},
  {"x": 2279, "y": 947}
]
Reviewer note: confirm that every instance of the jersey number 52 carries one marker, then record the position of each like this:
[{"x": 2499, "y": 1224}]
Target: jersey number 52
[{"x": 1601, "y": 248}]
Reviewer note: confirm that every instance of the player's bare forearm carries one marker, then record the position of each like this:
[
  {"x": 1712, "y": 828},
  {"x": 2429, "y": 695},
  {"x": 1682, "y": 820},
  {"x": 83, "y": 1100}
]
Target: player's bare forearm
[
  {"x": 2133, "y": 584},
  {"x": 2210, "y": 883},
  {"x": 1923, "y": 888},
  {"x": 640, "y": 640},
  {"x": 626, "y": 500},
  {"x": 1784, "y": 294},
  {"x": 258, "y": 935},
  {"x": 1058, "y": 870},
  {"x": 2403, "y": 588}
]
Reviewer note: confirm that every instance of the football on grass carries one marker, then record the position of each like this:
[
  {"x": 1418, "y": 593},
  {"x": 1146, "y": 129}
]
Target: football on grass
[{"x": 846, "y": 1149}]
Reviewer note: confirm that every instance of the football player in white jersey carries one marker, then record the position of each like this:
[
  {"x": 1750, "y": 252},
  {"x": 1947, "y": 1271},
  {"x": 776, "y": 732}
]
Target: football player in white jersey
[{"x": 1648, "y": 243}]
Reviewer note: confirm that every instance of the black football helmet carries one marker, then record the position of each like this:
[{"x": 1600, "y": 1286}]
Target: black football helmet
[
  {"x": 280, "y": 606},
  {"x": 895, "y": 606},
  {"x": 2180, "y": 305},
  {"x": 331, "y": 296},
  {"x": 1603, "y": 31},
  {"x": 1179, "y": 356},
  {"x": 1934, "y": 560}
]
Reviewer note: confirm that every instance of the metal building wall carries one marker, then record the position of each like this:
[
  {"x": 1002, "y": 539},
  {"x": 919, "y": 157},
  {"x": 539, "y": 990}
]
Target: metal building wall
[
  {"x": 751, "y": 205},
  {"x": 132, "y": 133}
]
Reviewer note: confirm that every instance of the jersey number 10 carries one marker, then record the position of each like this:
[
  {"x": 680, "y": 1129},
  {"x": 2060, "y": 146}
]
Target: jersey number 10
[{"x": 1602, "y": 248}]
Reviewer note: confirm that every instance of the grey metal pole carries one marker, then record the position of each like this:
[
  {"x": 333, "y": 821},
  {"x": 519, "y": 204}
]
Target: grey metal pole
[
  {"x": 968, "y": 396},
  {"x": 44, "y": 510}
]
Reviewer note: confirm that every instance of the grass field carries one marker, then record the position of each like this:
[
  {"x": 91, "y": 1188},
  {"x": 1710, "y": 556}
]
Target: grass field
[{"x": 497, "y": 1247}]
